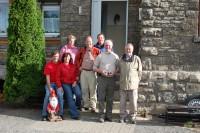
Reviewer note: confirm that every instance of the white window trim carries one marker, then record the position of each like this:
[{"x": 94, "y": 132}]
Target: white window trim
[
  {"x": 52, "y": 34},
  {"x": 3, "y": 34},
  {"x": 4, "y": 2},
  {"x": 52, "y": 8}
]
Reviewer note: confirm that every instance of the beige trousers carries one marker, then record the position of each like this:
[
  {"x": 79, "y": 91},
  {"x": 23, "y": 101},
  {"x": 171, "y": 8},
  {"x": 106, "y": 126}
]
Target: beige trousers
[
  {"x": 88, "y": 81},
  {"x": 132, "y": 96}
]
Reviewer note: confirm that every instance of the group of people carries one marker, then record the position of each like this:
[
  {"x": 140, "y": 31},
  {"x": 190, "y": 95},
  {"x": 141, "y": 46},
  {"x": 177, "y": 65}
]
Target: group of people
[{"x": 95, "y": 68}]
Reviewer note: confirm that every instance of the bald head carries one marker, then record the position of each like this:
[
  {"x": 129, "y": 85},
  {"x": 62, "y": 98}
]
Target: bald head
[{"x": 88, "y": 42}]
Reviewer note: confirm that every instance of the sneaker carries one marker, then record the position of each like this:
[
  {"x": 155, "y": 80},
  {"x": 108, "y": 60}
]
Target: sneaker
[
  {"x": 133, "y": 120},
  {"x": 101, "y": 120},
  {"x": 121, "y": 120},
  {"x": 108, "y": 119},
  {"x": 76, "y": 118},
  {"x": 62, "y": 117},
  {"x": 44, "y": 118},
  {"x": 80, "y": 109},
  {"x": 126, "y": 119}
]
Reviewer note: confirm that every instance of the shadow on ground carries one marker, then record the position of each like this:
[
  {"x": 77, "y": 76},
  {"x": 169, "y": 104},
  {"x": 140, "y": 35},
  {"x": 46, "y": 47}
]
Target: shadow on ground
[{"x": 35, "y": 115}]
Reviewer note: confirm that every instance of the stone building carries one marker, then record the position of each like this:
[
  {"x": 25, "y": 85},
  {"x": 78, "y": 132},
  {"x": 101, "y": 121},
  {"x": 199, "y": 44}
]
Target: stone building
[
  {"x": 169, "y": 49},
  {"x": 165, "y": 34}
]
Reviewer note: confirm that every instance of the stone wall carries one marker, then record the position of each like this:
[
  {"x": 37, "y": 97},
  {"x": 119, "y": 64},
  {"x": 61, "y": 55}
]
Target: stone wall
[
  {"x": 167, "y": 87},
  {"x": 71, "y": 22},
  {"x": 169, "y": 53},
  {"x": 168, "y": 29}
]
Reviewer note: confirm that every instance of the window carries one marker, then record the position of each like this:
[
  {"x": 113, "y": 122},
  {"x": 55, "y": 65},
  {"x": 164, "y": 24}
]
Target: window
[
  {"x": 4, "y": 5},
  {"x": 51, "y": 20}
]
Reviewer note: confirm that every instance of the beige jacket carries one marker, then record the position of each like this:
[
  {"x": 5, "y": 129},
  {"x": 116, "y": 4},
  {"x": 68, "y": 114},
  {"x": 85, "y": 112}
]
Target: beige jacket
[{"x": 130, "y": 72}]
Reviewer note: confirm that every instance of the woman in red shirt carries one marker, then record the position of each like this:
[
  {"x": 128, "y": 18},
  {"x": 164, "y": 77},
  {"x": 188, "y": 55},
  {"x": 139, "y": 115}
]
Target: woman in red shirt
[{"x": 66, "y": 80}]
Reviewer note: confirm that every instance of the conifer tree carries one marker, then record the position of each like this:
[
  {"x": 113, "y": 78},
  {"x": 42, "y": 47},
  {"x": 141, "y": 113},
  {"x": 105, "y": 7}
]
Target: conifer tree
[{"x": 26, "y": 51}]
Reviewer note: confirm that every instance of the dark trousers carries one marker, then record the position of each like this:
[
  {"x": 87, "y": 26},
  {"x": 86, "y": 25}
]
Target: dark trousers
[{"x": 105, "y": 92}]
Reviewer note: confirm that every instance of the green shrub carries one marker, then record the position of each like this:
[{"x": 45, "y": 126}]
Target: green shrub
[{"x": 26, "y": 52}]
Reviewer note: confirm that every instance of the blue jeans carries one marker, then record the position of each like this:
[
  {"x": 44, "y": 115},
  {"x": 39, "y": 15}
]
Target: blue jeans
[
  {"x": 46, "y": 99},
  {"x": 71, "y": 103},
  {"x": 77, "y": 92}
]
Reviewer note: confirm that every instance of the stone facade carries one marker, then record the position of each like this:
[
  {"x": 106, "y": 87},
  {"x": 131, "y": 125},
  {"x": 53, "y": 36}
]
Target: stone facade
[
  {"x": 169, "y": 50},
  {"x": 134, "y": 25},
  {"x": 166, "y": 35},
  {"x": 168, "y": 29},
  {"x": 71, "y": 22}
]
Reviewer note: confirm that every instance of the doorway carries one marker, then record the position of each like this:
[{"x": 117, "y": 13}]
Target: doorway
[{"x": 113, "y": 21}]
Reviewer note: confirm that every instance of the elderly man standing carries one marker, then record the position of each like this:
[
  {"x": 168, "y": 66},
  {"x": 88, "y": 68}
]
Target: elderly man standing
[
  {"x": 84, "y": 61},
  {"x": 106, "y": 66},
  {"x": 130, "y": 75}
]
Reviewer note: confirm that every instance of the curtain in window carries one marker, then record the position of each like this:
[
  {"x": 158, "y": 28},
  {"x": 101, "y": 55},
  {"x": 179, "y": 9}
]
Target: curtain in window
[
  {"x": 51, "y": 21},
  {"x": 3, "y": 17}
]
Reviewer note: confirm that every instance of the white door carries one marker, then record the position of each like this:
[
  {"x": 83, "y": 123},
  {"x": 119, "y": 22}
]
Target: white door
[{"x": 110, "y": 17}]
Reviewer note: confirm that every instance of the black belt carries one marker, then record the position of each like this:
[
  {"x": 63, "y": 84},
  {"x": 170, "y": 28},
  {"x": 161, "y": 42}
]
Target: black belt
[
  {"x": 87, "y": 69},
  {"x": 100, "y": 75}
]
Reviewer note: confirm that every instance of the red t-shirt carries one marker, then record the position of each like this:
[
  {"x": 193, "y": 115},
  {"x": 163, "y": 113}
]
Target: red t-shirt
[
  {"x": 67, "y": 73},
  {"x": 51, "y": 69}
]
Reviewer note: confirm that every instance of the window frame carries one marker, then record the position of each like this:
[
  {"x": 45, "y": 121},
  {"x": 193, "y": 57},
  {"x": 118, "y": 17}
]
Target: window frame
[
  {"x": 199, "y": 20},
  {"x": 5, "y": 2},
  {"x": 51, "y": 7}
]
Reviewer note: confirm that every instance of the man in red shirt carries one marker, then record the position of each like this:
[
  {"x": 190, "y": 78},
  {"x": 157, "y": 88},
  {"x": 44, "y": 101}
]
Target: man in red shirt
[
  {"x": 50, "y": 74},
  {"x": 84, "y": 62}
]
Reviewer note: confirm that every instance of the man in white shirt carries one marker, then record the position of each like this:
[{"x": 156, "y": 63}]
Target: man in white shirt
[{"x": 106, "y": 66}]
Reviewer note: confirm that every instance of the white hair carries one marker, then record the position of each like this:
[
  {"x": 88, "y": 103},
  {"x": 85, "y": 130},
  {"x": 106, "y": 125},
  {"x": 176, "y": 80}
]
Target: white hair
[
  {"x": 129, "y": 44},
  {"x": 109, "y": 42}
]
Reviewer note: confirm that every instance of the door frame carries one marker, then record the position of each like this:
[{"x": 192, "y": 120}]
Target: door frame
[{"x": 96, "y": 18}]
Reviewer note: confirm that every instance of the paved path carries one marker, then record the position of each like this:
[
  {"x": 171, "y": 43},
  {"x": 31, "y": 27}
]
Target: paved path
[{"x": 28, "y": 121}]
